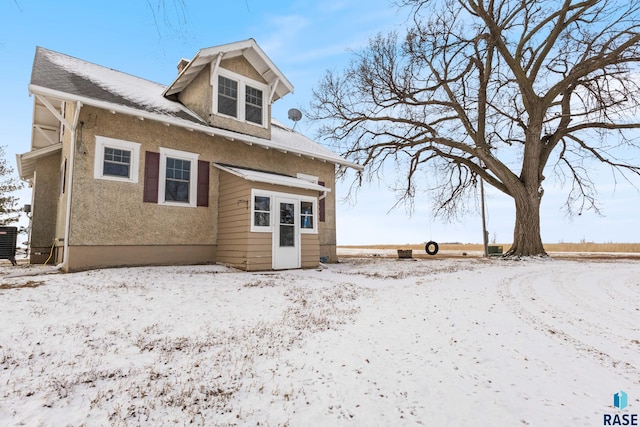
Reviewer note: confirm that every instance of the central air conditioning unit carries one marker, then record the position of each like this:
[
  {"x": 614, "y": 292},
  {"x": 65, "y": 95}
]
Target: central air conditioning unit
[{"x": 8, "y": 237}]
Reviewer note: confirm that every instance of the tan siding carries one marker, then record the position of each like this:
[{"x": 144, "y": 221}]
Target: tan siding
[
  {"x": 233, "y": 214},
  {"x": 265, "y": 264},
  {"x": 234, "y": 200},
  {"x": 260, "y": 237},
  {"x": 252, "y": 250},
  {"x": 259, "y": 251},
  {"x": 233, "y": 259},
  {"x": 234, "y": 182},
  {"x": 233, "y": 217},
  {"x": 232, "y": 227},
  {"x": 258, "y": 242},
  {"x": 310, "y": 250}
]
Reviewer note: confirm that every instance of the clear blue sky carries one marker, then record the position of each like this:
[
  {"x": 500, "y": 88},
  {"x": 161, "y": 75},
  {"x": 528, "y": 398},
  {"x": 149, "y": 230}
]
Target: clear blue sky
[{"x": 304, "y": 39}]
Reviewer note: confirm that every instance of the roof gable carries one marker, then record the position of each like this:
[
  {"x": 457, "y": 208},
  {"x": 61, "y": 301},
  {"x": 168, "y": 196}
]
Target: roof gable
[{"x": 250, "y": 50}]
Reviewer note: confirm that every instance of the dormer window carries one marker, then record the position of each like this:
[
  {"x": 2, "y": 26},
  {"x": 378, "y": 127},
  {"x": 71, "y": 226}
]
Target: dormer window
[
  {"x": 227, "y": 96},
  {"x": 253, "y": 106},
  {"x": 232, "y": 90}
]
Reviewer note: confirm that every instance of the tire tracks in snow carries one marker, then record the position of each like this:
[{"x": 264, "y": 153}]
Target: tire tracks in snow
[{"x": 551, "y": 302}]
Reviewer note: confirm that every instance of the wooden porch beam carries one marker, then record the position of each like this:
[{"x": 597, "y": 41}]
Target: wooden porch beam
[{"x": 54, "y": 111}]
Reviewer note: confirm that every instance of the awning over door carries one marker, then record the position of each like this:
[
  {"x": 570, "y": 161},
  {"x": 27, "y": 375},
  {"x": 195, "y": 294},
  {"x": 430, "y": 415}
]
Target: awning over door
[{"x": 271, "y": 178}]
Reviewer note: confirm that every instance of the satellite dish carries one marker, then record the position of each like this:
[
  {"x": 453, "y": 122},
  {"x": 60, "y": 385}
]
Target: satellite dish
[{"x": 295, "y": 114}]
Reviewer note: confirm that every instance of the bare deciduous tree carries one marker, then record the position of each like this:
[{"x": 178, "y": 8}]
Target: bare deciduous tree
[
  {"x": 503, "y": 90},
  {"x": 173, "y": 18}
]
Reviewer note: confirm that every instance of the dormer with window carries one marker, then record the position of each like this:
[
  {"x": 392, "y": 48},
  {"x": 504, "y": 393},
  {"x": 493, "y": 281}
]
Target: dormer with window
[{"x": 231, "y": 87}]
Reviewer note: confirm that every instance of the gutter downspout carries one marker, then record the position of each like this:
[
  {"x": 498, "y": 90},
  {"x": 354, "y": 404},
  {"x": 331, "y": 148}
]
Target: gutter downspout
[{"x": 74, "y": 125}]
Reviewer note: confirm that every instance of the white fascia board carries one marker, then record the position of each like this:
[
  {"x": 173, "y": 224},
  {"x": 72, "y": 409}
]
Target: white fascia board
[
  {"x": 26, "y": 161},
  {"x": 237, "y": 48},
  {"x": 175, "y": 87},
  {"x": 40, "y": 152},
  {"x": 271, "y": 178},
  {"x": 19, "y": 163},
  {"x": 174, "y": 121}
]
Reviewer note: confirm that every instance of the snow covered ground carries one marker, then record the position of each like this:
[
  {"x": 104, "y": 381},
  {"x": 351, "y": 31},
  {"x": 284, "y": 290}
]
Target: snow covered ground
[{"x": 368, "y": 342}]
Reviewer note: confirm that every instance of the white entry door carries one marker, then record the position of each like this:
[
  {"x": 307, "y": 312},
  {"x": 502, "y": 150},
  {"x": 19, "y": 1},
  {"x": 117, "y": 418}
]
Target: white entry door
[{"x": 286, "y": 235}]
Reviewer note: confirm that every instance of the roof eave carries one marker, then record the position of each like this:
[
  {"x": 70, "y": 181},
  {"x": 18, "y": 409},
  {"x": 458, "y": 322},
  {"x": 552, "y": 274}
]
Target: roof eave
[
  {"x": 275, "y": 179},
  {"x": 26, "y": 161},
  {"x": 174, "y": 121},
  {"x": 173, "y": 88}
]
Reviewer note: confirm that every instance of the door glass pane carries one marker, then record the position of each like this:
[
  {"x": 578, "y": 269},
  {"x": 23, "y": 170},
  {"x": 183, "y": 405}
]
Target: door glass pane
[
  {"x": 287, "y": 212},
  {"x": 287, "y": 225},
  {"x": 287, "y": 238}
]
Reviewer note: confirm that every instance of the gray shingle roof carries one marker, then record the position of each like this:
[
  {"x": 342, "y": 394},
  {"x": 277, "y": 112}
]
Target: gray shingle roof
[
  {"x": 59, "y": 73},
  {"x": 63, "y": 73}
]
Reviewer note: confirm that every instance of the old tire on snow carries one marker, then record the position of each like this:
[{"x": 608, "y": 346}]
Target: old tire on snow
[{"x": 431, "y": 247}]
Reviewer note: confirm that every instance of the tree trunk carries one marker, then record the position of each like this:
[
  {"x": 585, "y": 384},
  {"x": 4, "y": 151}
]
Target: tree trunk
[{"x": 526, "y": 234}]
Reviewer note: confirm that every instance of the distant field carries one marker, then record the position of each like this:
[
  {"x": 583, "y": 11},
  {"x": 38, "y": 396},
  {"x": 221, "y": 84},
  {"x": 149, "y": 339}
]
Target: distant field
[{"x": 457, "y": 249}]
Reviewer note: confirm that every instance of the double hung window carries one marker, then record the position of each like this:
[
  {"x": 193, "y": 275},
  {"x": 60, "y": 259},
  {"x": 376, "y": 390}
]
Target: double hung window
[
  {"x": 253, "y": 105},
  {"x": 177, "y": 180},
  {"x": 227, "y": 96},
  {"x": 178, "y": 177},
  {"x": 261, "y": 211},
  {"x": 306, "y": 215}
]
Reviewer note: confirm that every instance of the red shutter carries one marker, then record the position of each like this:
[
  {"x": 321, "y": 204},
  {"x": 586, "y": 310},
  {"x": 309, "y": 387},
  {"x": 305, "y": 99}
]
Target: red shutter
[
  {"x": 151, "y": 176},
  {"x": 321, "y": 205},
  {"x": 203, "y": 183}
]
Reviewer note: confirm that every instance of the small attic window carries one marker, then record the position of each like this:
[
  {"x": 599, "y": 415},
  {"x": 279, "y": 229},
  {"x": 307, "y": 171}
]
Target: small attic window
[{"x": 234, "y": 90}]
